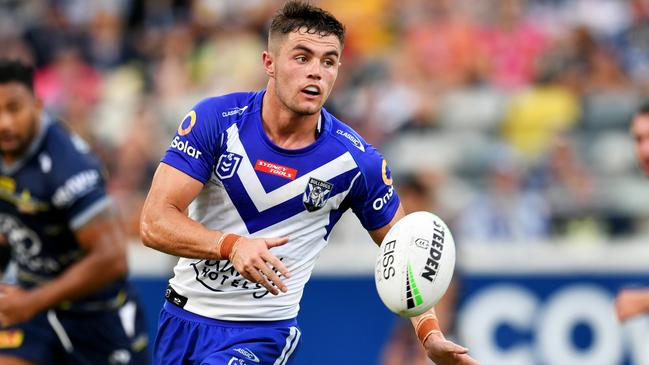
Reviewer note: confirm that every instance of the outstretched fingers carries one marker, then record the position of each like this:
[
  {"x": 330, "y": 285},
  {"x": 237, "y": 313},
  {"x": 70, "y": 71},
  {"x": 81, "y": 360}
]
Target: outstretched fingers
[
  {"x": 270, "y": 274},
  {"x": 256, "y": 263},
  {"x": 276, "y": 263},
  {"x": 257, "y": 276}
]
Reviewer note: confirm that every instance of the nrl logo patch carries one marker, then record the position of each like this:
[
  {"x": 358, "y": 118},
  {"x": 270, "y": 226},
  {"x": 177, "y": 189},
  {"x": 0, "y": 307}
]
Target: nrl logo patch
[
  {"x": 316, "y": 194},
  {"x": 227, "y": 165}
]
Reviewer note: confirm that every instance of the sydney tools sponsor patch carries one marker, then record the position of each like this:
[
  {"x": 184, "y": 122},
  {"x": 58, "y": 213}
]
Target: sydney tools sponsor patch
[{"x": 275, "y": 169}]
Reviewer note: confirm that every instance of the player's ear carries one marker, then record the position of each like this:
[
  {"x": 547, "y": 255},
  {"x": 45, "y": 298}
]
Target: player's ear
[{"x": 269, "y": 63}]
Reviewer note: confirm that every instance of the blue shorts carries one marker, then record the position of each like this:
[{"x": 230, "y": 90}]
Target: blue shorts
[
  {"x": 110, "y": 337},
  {"x": 187, "y": 338}
]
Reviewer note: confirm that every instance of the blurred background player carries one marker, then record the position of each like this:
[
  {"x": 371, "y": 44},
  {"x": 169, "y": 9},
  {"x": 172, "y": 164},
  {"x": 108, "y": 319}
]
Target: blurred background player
[
  {"x": 72, "y": 304},
  {"x": 271, "y": 163},
  {"x": 631, "y": 302}
]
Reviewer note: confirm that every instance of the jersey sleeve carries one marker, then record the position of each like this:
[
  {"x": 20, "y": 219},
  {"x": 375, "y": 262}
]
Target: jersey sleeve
[
  {"x": 373, "y": 198},
  {"x": 79, "y": 184},
  {"x": 192, "y": 150}
]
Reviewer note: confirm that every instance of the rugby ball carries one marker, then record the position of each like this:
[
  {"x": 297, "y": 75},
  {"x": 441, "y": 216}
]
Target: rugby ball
[{"x": 415, "y": 264}]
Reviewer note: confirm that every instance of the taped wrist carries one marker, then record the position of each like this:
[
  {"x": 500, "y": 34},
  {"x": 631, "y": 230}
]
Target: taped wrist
[
  {"x": 426, "y": 326},
  {"x": 225, "y": 245}
]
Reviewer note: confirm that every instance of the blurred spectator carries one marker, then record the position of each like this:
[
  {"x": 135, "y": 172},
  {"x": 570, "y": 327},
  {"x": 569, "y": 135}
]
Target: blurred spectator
[
  {"x": 368, "y": 24},
  {"x": 107, "y": 47},
  {"x": 633, "y": 44},
  {"x": 441, "y": 41},
  {"x": 537, "y": 114},
  {"x": 511, "y": 45},
  {"x": 504, "y": 210},
  {"x": 70, "y": 88},
  {"x": 228, "y": 61},
  {"x": 569, "y": 190},
  {"x": 52, "y": 32}
]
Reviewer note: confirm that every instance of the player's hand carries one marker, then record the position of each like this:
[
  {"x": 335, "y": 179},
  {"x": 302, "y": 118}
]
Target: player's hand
[
  {"x": 16, "y": 305},
  {"x": 631, "y": 302},
  {"x": 444, "y": 352},
  {"x": 253, "y": 259}
]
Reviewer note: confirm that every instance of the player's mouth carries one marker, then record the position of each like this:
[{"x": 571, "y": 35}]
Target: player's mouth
[
  {"x": 311, "y": 90},
  {"x": 8, "y": 138}
]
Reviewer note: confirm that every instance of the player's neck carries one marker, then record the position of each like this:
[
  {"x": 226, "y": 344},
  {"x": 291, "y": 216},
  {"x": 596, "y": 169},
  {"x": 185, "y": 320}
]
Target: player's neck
[{"x": 285, "y": 128}]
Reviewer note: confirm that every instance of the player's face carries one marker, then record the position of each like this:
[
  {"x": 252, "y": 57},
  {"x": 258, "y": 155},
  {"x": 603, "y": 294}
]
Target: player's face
[
  {"x": 305, "y": 69},
  {"x": 640, "y": 132},
  {"x": 19, "y": 111}
]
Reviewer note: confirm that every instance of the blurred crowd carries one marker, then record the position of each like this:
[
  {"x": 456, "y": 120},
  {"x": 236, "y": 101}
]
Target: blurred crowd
[{"x": 508, "y": 117}]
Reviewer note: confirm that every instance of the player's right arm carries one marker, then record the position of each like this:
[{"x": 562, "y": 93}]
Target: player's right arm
[
  {"x": 164, "y": 224},
  {"x": 165, "y": 227}
]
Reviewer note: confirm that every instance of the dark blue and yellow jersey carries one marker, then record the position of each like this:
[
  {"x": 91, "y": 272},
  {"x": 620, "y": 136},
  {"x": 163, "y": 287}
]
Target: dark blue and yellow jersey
[{"x": 53, "y": 190}]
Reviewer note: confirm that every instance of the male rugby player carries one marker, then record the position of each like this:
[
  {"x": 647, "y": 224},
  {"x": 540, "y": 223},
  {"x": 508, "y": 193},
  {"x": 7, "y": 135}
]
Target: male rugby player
[
  {"x": 72, "y": 304},
  {"x": 268, "y": 174},
  {"x": 631, "y": 302}
]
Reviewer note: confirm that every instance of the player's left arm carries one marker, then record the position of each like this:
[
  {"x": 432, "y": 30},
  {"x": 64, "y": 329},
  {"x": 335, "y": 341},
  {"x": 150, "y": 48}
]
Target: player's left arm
[
  {"x": 104, "y": 261},
  {"x": 438, "y": 348}
]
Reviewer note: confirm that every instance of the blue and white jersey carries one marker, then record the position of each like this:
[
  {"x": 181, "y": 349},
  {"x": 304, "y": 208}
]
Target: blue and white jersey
[
  {"x": 258, "y": 189},
  {"x": 53, "y": 190}
]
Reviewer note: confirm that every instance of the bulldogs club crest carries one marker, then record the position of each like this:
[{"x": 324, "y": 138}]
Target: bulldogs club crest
[
  {"x": 316, "y": 194},
  {"x": 227, "y": 165}
]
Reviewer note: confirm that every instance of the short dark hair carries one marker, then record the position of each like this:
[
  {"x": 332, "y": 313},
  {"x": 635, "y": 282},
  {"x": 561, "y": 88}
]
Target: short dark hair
[
  {"x": 16, "y": 71},
  {"x": 298, "y": 14}
]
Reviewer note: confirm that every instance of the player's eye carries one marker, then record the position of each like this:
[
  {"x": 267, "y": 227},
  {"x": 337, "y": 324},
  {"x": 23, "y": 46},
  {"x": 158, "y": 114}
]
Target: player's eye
[
  {"x": 329, "y": 63},
  {"x": 300, "y": 59}
]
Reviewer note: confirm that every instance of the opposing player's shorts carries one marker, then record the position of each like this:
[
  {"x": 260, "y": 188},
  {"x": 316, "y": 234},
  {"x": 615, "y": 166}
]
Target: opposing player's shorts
[
  {"x": 109, "y": 337},
  {"x": 187, "y": 338}
]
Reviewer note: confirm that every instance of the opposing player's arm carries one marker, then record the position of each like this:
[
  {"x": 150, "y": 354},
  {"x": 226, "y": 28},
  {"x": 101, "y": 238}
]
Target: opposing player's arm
[
  {"x": 165, "y": 226},
  {"x": 631, "y": 302},
  {"x": 104, "y": 261}
]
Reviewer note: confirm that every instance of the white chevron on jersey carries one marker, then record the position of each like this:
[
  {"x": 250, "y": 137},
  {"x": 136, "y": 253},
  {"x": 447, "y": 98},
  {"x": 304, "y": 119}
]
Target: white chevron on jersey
[{"x": 263, "y": 200}]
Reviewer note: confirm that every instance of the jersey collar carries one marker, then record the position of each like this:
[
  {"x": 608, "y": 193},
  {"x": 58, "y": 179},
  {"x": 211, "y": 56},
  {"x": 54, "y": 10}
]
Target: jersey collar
[{"x": 322, "y": 129}]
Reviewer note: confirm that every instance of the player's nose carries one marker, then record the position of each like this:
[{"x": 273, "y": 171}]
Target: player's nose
[
  {"x": 6, "y": 121},
  {"x": 314, "y": 70}
]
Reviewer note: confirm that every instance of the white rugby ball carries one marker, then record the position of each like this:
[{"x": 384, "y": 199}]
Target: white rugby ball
[{"x": 415, "y": 265}]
